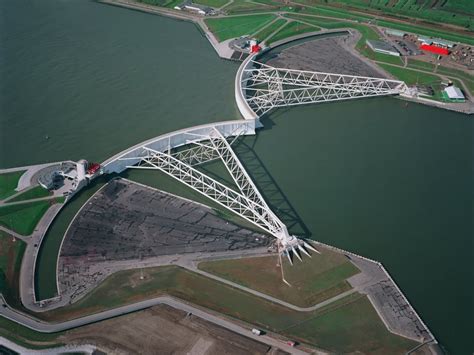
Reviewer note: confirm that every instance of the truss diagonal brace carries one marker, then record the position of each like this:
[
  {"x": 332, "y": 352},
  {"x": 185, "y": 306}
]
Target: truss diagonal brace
[{"x": 251, "y": 211}]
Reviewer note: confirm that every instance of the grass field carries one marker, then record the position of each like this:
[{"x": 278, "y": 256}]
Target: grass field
[
  {"x": 23, "y": 218},
  {"x": 365, "y": 31},
  {"x": 448, "y": 12},
  {"x": 452, "y": 36},
  {"x": 267, "y": 31},
  {"x": 8, "y": 183},
  {"x": 11, "y": 253},
  {"x": 315, "y": 280},
  {"x": 231, "y": 27},
  {"x": 371, "y": 334},
  {"x": 292, "y": 29},
  {"x": 35, "y": 192},
  {"x": 380, "y": 57},
  {"x": 26, "y": 337},
  {"x": 238, "y": 7},
  {"x": 212, "y": 3},
  {"x": 411, "y": 77},
  {"x": 418, "y": 64},
  {"x": 454, "y": 73}
]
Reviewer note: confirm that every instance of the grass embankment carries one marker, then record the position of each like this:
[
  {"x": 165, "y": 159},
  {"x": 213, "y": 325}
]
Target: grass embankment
[
  {"x": 411, "y": 77},
  {"x": 245, "y": 7},
  {"x": 451, "y": 73},
  {"x": 212, "y": 3},
  {"x": 23, "y": 218},
  {"x": 231, "y": 27},
  {"x": 35, "y": 192},
  {"x": 339, "y": 13},
  {"x": 267, "y": 31},
  {"x": 11, "y": 253},
  {"x": 8, "y": 183},
  {"x": 313, "y": 281},
  {"x": 292, "y": 29},
  {"x": 352, "y": 316},
  {"x": 418, "y": 10},
  {"x": 26, "y": 337}
]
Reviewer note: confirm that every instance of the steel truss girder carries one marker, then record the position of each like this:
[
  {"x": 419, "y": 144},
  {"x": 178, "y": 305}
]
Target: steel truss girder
[
  {"x": 268, "y": 87},
  {"x": 247, "y": 203}
]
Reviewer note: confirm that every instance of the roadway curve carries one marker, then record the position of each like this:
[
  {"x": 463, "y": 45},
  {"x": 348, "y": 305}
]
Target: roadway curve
[{"x": 43, "y": 327}]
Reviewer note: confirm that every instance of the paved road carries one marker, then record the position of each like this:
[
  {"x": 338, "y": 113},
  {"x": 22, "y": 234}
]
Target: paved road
[
  {"x": 76, "y": 349},
  {"x": 43, "y": 327},
  {"x": 27, "y": 272}
]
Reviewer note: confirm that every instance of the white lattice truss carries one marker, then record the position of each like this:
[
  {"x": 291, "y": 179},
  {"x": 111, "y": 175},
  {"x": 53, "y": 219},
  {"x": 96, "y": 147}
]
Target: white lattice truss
[
  {"x": 267, "y": 87},
  {"x": 246, "y": 201}
]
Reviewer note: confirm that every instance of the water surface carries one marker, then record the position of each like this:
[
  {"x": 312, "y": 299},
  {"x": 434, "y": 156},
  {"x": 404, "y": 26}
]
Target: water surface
[{"x": 389, "y": 181}]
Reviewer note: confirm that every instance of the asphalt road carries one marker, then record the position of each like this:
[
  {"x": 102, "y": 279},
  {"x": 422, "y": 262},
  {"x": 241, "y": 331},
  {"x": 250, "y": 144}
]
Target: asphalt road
[{"x": 43, "y": 327}]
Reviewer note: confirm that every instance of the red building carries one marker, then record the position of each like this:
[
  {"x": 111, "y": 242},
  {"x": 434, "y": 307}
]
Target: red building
[{"x": 434, "y": 49}]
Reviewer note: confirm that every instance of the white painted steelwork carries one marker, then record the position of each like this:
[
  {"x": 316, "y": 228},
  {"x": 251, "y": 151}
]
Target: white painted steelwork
[
  {"x": 247, "y": 202},
  {"x": 265, "y": 87}
]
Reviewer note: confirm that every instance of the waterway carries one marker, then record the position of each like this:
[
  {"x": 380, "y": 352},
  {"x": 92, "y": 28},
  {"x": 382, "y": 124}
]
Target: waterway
[{"x": 389, "y": 181}]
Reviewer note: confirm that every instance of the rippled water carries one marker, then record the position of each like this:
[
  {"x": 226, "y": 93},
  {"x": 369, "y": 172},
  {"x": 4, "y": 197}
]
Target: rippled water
[{"x": 375, "y": 177}]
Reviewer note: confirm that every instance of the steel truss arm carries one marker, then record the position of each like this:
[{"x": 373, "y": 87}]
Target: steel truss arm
[
  {"x": 269, "y": 87},
  {"x": 246, "y": 208}
]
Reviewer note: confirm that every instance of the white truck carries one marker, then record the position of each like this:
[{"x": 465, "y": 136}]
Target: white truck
[{"x": 256, "y": 331}]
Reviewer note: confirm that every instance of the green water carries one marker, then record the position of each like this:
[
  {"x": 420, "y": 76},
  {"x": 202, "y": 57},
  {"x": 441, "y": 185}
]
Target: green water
[{"x": 390, "y": 182}]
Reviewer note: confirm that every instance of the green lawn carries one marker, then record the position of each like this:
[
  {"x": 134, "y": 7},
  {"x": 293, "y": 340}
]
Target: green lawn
[
  {"x": 238, "y": 7},
  {"x": 8, "y": 183},
  {"x": 35, "y": 192},
  {"x": 365, "y": 31},
  {"x": 451, "y": 36},
  {"x": 411, "y": 77},
  {"x": 231, "y": 27},
  {"x": 380, "y": 57},
  {"x": 418, "y": 64},
  {"x": 317, "y": 21},
  {"x": 23, "y": 218},
  {"x": 26, "y": 337},
  {"x": 292, "y": 29},
  {"x": 417, "y": 9},
  {"x": 455, "y": 73},
  {"x": 313, "y": 281},
  {"x": 11, "y": 253},
  {"x": 342, "y": 326},
  {"x": 212, "y": 3},
  {"x": 350, "y": 312},
  {"x": 267, "y": 31}
]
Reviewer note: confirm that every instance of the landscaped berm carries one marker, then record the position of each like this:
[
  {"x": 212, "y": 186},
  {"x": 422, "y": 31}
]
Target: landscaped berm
[
  {"x": 349, "y": 324},
  {"x": 312, "y": 281}
]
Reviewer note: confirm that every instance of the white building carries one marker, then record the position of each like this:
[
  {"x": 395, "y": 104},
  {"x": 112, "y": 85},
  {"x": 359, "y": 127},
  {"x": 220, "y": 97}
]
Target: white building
[
  {"x": 454, "y": 93},
  {"x": 383, "y": 47}
]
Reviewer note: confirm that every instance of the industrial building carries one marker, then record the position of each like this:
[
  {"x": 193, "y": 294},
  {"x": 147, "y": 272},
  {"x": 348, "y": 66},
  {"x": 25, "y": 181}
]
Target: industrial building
[
  {"x": 436, "y": 41},
  {"x": 197, "y": 8},
  {"x": 395, "y": 33},
  {"x": 383, "y": 47},
  {"x": 453, "y": 93}
]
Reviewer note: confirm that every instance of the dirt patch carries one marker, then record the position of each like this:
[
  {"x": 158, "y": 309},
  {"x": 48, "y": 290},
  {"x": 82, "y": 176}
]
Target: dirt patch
[{"x": 165, "y": 328}]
